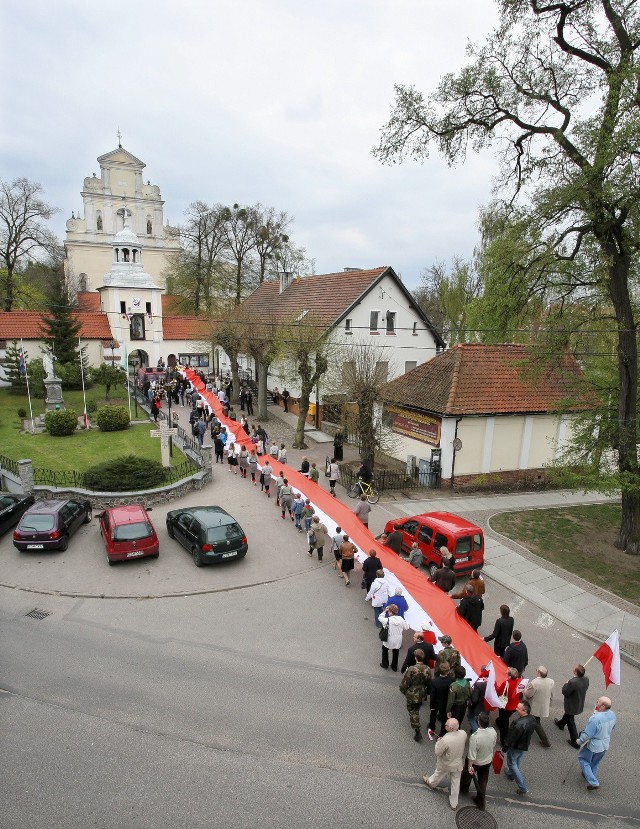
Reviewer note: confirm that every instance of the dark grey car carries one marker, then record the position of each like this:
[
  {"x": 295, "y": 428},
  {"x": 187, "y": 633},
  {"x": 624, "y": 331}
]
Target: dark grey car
[{"x": 210, "y": 534}]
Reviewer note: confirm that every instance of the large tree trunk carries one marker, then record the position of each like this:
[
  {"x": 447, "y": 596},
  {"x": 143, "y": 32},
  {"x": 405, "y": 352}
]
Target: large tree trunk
[
  {"x": 261, "y": 371},
  {"x": 366, "y": 430},
  {"x": 629, "y": 535},
  {"x": 235, "y": 380}
]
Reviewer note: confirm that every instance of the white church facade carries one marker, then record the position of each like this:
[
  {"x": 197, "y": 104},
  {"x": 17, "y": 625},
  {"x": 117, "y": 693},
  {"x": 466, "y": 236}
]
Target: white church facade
[{"x": 117, "y": 197}]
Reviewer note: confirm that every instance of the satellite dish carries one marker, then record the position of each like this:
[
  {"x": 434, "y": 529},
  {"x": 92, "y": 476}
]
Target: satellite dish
[{"x": 457, "y": 444}]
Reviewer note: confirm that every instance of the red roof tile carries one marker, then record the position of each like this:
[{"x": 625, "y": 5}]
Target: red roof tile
[
  {"x": 28, "y": 325},
  {"x": 89, "y": 301},
  {"x": 492, "y": 379},
  {"x": 328, "y": 295},
  {"x": 186, "y": 328}
]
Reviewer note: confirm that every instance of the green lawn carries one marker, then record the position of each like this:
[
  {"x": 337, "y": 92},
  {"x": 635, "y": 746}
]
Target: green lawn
[
  {"x": 81, "y": 450},
  {"x": 580, "y": 540}
]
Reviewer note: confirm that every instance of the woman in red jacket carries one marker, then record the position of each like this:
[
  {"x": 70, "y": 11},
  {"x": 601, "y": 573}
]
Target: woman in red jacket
[{"x": 509, "y": 688}]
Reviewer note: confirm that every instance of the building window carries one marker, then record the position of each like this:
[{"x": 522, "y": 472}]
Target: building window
[
  {"x": 123, "y": 307},
  {"x": 415, "y": 329},
  {"x": 391, "y": 322},
  {"x": 348, "y": 328},
  {"x": 147, "y": 306},
  {"x": 373, "y": 322},
  {"x": 382, "y": 371},
  {"x": 194, "y": 360},
  {"x": 136, "y": 327},
  {"x": 409, "y": 365},
  {"x": 348, "y": 373}
]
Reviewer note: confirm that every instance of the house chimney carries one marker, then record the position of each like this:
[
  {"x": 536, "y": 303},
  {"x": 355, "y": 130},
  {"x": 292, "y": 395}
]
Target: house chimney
[
  {"x": 351, "y": 270},
  {"x": 286, "y": 278}
]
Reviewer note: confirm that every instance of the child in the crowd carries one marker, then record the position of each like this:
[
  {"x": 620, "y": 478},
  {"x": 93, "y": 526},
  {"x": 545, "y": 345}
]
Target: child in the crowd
[
  {"x": 259, "y": 446},
  {"x": 273, "y": 450},
  {"x": 314, "y": 474},
  {"x": 279, "y": 484},
  {"x": 296, "y": 509},
  {"x": 267, "y": 472},
  {"x": 243, "y": 461},
  {"x": 253, "y": 465},
  {"x": 307, "y": 514},
  {"x": 282, "y": 454},
  {"x": 286, "y": 499}
]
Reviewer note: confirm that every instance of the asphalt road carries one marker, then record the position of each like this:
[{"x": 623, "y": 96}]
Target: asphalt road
[{"x": 259, "y": 705}]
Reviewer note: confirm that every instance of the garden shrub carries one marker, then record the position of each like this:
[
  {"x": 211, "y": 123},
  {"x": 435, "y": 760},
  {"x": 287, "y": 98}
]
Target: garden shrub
[
  {"x": 92, "y": 407},
  {"x": 22, "y": 412},
  {"x": 125, "y": 474},
  {"x": 112, "y": 418},
  {"x": 61, "y": 423}
]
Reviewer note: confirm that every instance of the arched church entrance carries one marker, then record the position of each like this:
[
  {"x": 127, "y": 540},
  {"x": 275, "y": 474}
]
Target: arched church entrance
[{"x": 137, "y": 359}]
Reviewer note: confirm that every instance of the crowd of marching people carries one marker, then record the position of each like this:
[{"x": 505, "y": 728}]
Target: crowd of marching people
[{"x": 475, "y": 725}]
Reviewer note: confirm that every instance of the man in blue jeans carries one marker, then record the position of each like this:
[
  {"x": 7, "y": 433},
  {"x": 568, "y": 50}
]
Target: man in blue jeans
[
  {"x": 518, "y": 738},
  {"x": 594, "y": 741}
]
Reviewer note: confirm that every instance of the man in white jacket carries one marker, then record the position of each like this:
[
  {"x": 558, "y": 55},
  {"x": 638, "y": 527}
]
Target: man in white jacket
[{"x": 378, "y": 595}]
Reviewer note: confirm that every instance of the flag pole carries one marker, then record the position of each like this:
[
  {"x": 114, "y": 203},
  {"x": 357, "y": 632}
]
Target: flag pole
[
  {"x": 84, "y": 396},
  {"x": 26, "y": 375},
  {"x": 126, "y": 368}
]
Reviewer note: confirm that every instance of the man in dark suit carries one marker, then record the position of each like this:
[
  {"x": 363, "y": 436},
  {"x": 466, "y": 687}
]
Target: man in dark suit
[
  {"x": 515, "y": 654},
  {"x": 574, "y": 692},
  {"x": 418, "y": 644},
  {"x": 394, "y": 540},
  {"x": 502, "y": 631}
]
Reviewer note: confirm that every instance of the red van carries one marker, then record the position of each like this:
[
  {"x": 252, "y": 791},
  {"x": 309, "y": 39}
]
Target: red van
[{"x": 433, "y": 530}]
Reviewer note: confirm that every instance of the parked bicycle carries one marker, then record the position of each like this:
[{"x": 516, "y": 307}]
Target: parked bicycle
[{"x": 361, "y": 487}]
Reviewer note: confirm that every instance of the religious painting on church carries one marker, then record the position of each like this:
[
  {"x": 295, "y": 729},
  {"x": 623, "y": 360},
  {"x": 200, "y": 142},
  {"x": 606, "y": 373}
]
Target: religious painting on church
[{"x": 136, "y": 327}]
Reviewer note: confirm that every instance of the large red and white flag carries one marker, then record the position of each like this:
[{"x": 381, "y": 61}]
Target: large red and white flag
[{"x": 609, "y": 654}]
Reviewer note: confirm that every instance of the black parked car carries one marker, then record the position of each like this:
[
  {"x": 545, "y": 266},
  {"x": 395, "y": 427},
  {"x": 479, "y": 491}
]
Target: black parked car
[
  {"x": 209, "y": 533},
  {"x": 48, "y": 525},
  {"x": 11, "y": 508}
]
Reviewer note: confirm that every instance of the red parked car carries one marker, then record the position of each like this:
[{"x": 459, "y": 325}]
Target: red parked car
[
  {"x": 433, "y": 530},
  {"x": 128, "y": 533}
]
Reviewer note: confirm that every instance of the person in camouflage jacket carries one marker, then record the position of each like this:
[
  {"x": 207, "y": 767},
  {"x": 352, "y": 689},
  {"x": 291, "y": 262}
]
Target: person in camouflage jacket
[{"x": 415, "y": 685}]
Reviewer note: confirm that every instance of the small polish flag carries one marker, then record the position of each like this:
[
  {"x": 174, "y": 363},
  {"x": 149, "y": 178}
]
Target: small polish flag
[
  {"x": 490, "y": 695},
  {"x": 609, "y": 654}
]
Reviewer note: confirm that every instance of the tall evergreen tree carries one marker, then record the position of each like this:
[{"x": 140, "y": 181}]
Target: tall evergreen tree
[{"x": 60, "y": 328}]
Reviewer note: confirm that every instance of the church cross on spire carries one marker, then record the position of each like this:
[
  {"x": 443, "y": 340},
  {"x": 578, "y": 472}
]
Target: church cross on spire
[{"x": 119, "y": 138}]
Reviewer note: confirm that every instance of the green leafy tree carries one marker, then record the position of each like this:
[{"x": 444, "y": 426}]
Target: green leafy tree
[
  {"x": 107, "y": 375},
  {"x": 446, "y": 295},
  {"x": 557, "y": 85},
  {"x": 12, "y": 370},
  {"x": 24, "y": 235}
]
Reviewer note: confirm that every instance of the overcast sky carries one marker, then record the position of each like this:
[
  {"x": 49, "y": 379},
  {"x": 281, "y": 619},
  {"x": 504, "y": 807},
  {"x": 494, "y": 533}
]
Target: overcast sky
[{"x": 276, "y": 101}]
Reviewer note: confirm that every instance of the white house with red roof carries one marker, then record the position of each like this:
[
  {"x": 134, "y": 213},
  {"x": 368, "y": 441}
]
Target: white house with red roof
[
  {"x": 486, "y": 410},
  {"x": 356, "y": 306}
]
